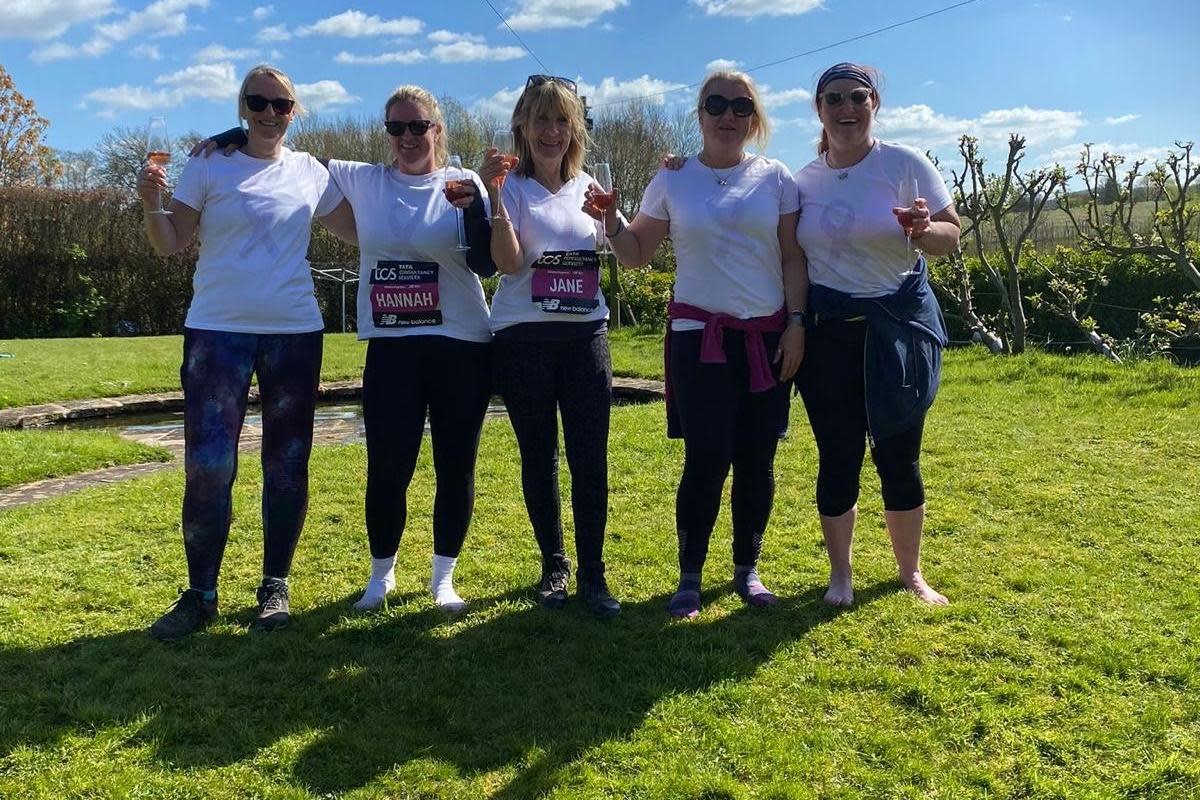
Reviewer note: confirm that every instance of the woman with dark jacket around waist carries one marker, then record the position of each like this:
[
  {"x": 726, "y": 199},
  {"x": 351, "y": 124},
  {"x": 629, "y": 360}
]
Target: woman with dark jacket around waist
[
  {"x": 873, "y": 357},
  {"x": 732, "y": 344}
]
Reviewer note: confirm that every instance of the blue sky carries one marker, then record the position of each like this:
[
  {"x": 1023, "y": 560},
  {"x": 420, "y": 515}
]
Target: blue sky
[{"x": 1119, "y": 74}]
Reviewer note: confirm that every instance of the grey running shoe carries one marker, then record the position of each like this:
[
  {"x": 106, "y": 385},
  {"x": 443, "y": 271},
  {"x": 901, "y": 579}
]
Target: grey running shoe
[
  {"x": 552, "y": 593},
  {"x": 190, "y": 613},
  {"x": 272, "y": 605}
]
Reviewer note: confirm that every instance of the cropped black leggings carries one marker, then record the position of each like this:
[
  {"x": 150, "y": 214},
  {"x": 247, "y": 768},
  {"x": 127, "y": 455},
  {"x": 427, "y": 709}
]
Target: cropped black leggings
[
  {"x": 725, "y": 425},
  {"x": 406, "y": 377},
  {"x": 832, "y": 385},
  {"x": 216, "y": 371},
  {"x": 539, "y": 379}
]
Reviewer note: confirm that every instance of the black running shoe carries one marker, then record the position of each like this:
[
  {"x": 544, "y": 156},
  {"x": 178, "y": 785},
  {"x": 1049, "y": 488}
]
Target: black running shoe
[
  {"x": 272, "y": 605},
  {"x": 190, "y": 613},
  {"x": 552, "y": 593},
  {"x": 592, "y": 588}
]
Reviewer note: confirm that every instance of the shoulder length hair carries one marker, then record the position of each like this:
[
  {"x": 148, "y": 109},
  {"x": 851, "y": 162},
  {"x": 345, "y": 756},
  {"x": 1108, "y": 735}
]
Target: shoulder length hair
[{"x": 550, "y": 99}]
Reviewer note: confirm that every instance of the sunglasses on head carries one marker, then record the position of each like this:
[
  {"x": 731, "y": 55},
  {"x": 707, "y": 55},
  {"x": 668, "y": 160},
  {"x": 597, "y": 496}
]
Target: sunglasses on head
[
  {"x": 538, "y": 80},
  {"x": 716, "y": 105},
  {"x": 256, "y": 103},
  {"x": 856, "y": 96},
  {"x": 417, "y": 127}
]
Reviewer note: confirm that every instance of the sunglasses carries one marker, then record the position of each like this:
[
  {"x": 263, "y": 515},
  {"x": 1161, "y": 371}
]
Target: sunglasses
[
  {"x": 856, "y": 96},
  {"x": 538, "y": 80},
  {"x": 256, "y": 103},
  {"x": 716, "y": 105},
  {"x": 417, "y": 127}
]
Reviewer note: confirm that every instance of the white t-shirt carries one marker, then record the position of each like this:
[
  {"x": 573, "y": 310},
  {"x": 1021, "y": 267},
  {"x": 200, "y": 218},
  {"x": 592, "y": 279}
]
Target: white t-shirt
[
  {"x": 727, "y": 256},
  {"x": 256, "y": 215},
  {"x": 411, "y": 280},
  {"x": 853, "y": 241},
  {"x": 559, "y": 279}
]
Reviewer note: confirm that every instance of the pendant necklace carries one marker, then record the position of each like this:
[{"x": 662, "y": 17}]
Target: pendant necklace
[{"x": 729, "y": 175}]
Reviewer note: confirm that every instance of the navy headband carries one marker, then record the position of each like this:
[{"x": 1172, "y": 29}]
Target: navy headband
[{"x": 845, "y": 70}]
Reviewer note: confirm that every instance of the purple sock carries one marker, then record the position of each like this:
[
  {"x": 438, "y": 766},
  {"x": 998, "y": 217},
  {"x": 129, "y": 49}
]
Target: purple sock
[
  {"x": 748, "y": 586},
  {"x": 685, "y": 603}
]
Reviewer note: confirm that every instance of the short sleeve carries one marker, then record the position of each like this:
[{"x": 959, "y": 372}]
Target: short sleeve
[
  {"x": 344, "y": 175},
  {"x": 329, "y": 193},
  {"x": 789, "y": 194},
  {"x": 931, "y": 184},
  {"x": 654, "y": 199},
  {"x": 514, "y": 203},
  {"x": 193, "y": 183}
]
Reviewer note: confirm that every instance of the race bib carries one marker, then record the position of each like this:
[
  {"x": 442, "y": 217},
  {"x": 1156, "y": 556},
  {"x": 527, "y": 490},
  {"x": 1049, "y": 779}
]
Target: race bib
[
  {"x": 567, "y": 281},
  {"x": 404, "y": 294}
]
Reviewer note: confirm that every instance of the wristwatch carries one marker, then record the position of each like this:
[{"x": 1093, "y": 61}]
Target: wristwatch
[{"x": 798, "y": 318}]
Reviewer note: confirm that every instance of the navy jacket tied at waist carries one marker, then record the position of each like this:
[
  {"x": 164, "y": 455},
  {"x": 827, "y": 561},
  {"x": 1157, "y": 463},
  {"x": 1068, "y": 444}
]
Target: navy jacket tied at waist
[{"x": 903, "y": 358}]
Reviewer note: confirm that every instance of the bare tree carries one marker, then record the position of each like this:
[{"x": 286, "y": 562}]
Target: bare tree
[
  {"x": 80, "y": 169},
  {"x": 468, "y": 133},
  {"x": 24, "y": 157},
  {"x": 632, "y": 138},
  {"x": 348, "y": 138}
]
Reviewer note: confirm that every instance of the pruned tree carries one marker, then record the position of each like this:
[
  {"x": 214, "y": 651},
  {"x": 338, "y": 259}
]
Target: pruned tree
[
  {"x": 632, "y": 137},
  {"x": 1071, "y": 289},
  {"x": 25, "y": 159},
  {"x": 1170, "y": 237},
  {"x": 1008, "y": 206}
]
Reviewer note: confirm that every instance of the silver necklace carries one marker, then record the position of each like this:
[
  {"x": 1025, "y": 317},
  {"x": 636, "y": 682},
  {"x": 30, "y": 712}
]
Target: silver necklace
[{"x": 732, "y": 171}]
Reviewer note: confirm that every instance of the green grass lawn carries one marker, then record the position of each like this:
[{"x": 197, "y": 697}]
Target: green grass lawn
[
  {"x": 31, "y": 455},
  {"x": 46, "y": 370},
  {"x": 1064, "y": 525}
]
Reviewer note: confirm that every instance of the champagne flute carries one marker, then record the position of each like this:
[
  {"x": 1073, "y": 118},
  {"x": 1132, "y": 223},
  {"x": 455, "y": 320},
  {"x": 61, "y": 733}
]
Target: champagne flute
[
  {"x": 602, "y": 172},
  {"x": 158, "y": 150},
  {"x": 502, "y": 140},
  {"x": 907, "y": 198},
  {"x": 456, "y": 189}
]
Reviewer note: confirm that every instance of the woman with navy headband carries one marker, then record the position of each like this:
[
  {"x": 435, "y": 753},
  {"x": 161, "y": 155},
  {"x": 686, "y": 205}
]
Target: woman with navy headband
[
  {"x": 732, "y": 345},
  {"x": 869, "y": 209}
]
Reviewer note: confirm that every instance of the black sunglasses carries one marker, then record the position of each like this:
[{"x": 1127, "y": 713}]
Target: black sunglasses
[
  {"x": 256, "y": 103},
  {"x": 856, "y": 96},
  {"x": 716, "y": 105},
  {"x": 538, "y": 80},
  {"x": 417, "y": 127}
]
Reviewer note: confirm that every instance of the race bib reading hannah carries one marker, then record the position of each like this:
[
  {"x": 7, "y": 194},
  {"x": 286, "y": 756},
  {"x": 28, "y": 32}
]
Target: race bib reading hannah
[
  {"x": 405, "y": 294},
  {"x": 567, "y": 281}
]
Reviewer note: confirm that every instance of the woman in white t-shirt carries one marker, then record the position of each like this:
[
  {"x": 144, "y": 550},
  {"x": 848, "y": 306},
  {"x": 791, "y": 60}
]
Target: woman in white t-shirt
[
  {"x": 550, "y": 322},
  {"x": 422, "y": 310},
  {"x": 253, "y": 312},
  {"x": 874, "y": 346},
  {"x": 732, "y": 343}
]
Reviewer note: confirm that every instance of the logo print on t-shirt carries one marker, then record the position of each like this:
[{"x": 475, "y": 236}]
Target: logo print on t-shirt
[
  {"x": 262, "y": 214},
  {"x": 403, "y": 219},
  {"x": 837, "y": 223},
  {"x": 726, "y": 207}
]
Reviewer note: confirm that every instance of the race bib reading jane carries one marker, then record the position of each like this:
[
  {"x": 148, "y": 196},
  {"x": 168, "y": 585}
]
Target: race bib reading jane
[{"x": 567, "y": 281}]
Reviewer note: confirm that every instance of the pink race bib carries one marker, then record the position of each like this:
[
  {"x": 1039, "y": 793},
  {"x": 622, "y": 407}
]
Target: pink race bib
[
  {"x": 404, "y": 294},
  {"x": 567, "y": 281}
]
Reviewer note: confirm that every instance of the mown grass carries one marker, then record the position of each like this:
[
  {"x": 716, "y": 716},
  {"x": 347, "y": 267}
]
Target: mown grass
[
  {"x": 1064, "y": 524},
  {"x": 46, "y": 370},
  {"x": 31, "y": 455}
]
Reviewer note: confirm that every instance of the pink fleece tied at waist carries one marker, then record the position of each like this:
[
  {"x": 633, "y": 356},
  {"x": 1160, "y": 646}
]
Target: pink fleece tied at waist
[{"x": 712, "y": 346}]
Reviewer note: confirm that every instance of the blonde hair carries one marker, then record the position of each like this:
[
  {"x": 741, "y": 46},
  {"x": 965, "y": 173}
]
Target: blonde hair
[
  {"x": 760, "y": 126},
  {"x": 876, "y": 77},
  {"x": 415, "y": 94},
  {"x": 277, "y": 74},
  {"x": 550, "y": 99}
]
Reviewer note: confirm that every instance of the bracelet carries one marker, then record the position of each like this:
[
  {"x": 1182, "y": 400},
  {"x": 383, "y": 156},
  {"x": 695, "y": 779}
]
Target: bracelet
[
  {"x": 617, "y": 232},
  {"x": 798, "y": 318},
  {"x": 499, "y": 218}
]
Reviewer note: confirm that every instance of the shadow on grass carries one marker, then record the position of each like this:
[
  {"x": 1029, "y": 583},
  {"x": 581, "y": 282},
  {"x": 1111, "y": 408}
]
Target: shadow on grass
[{"x": 509, "y": 686}]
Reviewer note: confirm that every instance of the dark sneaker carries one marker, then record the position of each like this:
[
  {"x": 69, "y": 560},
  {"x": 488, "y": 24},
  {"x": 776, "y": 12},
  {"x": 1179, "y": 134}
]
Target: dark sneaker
[
  {"x": 593, "y": 590},
  {"x": 272, "y": 605},
  {"x": 190, "y": 613},
  {"x": 552, "y": 593}
]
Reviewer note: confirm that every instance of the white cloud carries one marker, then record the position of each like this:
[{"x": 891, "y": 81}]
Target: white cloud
[
  {"x": 273, "y": 33},
  {"x": 610, "y": 90},
  {"x": 147, "y": 51},
  {"x": 786, "y": 97},
  {"x": 324, "y": 94},
  {"x": 922, "y": 127},
  {"x": 1121, "y": 120},
  {"x": 1068, "y": 155},
  {"x": 355, "y": 24},
  {"x": 464, "y": 51},
  {"x": 446, "y": 37},
  {"x": 757, "y": 8},
  {"x": 721, "y": 63},
  {"x": 405, "y": 57},
  {"x": 501, "y": 103},
  {"x": 929, "y": 83},
  {"x": 26, "y": 19},
  {"x": 204, "y": 81},
  {"x": 55, "y": 51},
  {"x": 1067, "y": 18},
  {"x": 131, "y": 98},
  {"x": 217, "y": 52},
  {"x": 157, "y": 20},
  {"x": 261, "y": 13},
  {"x": 535, "y": 15}
]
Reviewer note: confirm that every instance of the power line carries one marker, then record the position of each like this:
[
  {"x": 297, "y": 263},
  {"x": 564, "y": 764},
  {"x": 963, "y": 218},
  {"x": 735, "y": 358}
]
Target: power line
[
  {"x": 786, "y": 59},
  {"x": 522, "y": 41}
]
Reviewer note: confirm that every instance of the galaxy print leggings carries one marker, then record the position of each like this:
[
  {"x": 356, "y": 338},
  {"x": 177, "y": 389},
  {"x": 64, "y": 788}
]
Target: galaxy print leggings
[{"x": 216, "y": 371}]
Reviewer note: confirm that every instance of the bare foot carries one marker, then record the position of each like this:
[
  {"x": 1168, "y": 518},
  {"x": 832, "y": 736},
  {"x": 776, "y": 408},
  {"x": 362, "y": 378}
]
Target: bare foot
[
  {"x": 924, "y": 592},
  {"x": 841, "y": 590}
]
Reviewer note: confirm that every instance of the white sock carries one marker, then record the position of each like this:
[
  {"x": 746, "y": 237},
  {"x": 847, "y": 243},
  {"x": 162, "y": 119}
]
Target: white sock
[
  {"x": 383, "y": 580},
  {"x": 442, "y": 584}
]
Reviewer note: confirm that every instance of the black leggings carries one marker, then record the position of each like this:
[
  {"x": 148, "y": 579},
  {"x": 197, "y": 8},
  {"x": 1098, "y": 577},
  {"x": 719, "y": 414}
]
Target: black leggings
[
  {"x": 573, "y": 376},
  {"x": 216, "y": 371},
  {"x": 724, "y": 425},
  {"x": 831, "y": 382},
  {"x": 405, "y": 377}
]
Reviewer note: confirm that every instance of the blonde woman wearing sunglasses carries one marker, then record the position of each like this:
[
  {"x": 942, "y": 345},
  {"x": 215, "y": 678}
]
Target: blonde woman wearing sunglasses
[
  {"x": 732, "y": 345},
  {"x": 868, "y": 210}
]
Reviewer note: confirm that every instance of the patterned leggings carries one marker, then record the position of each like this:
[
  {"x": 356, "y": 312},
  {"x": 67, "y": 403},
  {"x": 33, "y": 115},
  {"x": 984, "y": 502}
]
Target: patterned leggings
[{"x": 216, "y": 371}]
